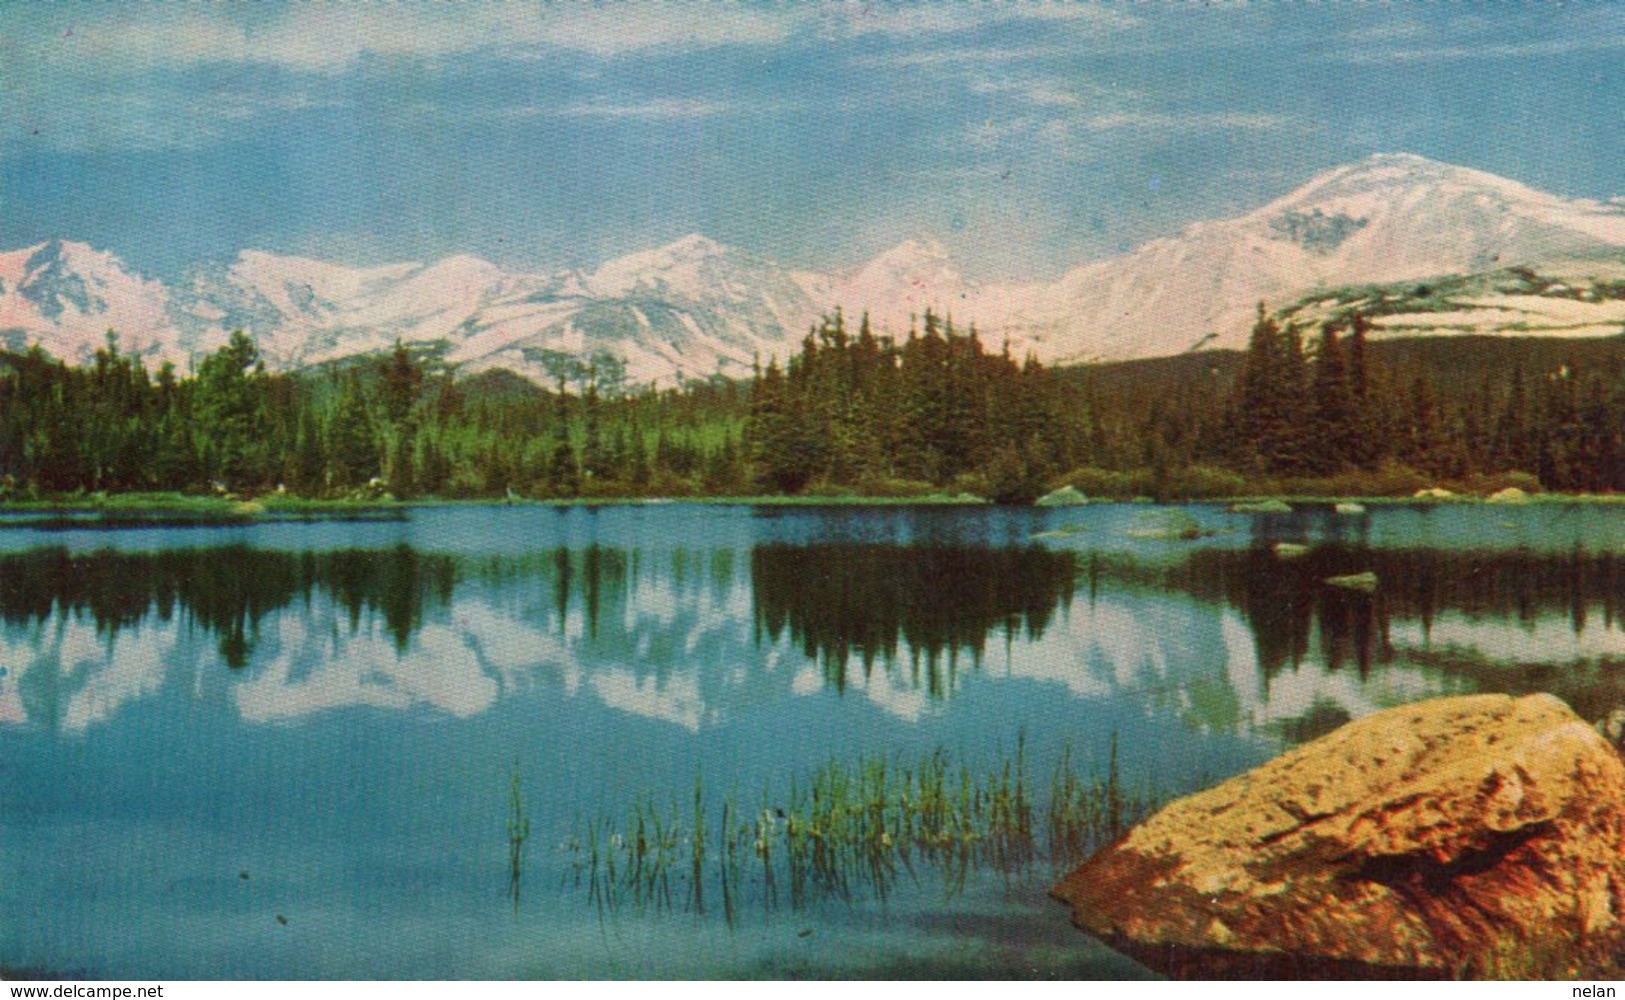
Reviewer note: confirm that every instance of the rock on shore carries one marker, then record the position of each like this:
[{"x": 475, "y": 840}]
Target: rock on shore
[{"x": 1477, "y": 836}]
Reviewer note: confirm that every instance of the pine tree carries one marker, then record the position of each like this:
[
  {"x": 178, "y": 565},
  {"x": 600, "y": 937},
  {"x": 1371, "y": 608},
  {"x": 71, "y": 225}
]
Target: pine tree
[
  {"x": 227, "y": 426},
  {"x": 1332, "y": 430},
  {"x": 1367, "y": 443},
  {"x": 1272, "y": 396},
  {"x": 352, "y": 450},
  {"x": 563, "y": 479},
  {"x": 781, "y": 452}
]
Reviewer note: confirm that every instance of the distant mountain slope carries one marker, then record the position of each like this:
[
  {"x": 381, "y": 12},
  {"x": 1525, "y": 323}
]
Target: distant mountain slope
[
  {"x": 1488, "y": 255},
  {"x": 66, "y": 296},
  {"x": 1389, "y": 218},
  {"x": 689, "y": 309},
  {"x": 1565, "y": 298}
]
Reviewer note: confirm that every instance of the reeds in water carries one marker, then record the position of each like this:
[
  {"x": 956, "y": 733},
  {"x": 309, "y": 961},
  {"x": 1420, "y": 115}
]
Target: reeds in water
[
  {"x": 518, "y": 833},
  {"x": 853, "y": 830}
]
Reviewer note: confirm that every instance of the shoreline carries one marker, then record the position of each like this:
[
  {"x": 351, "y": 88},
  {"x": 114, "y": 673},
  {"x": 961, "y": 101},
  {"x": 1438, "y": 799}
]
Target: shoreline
[{"x": 183, "y": 508}]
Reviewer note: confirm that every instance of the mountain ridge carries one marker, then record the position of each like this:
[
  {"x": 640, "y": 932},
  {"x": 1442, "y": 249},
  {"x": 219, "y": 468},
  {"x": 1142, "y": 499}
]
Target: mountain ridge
[{"x": 695, "y": 307}]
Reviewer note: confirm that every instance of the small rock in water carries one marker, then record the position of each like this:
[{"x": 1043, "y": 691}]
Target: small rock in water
[
  {"x": 1170, "y": 525},
  {"x": 1349, "y": 507},
  {"x": 243, "y": 876},
  {"x": 1290, "y": 550},
  {"x": 1270, "y": 506},
  {"x": 282, "y": 920},
  {"x": 1366, "y": 582}
]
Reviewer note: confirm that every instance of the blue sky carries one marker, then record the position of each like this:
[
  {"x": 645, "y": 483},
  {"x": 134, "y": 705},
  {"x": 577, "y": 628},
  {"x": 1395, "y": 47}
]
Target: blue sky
[{"x": 1027, "y": 137}]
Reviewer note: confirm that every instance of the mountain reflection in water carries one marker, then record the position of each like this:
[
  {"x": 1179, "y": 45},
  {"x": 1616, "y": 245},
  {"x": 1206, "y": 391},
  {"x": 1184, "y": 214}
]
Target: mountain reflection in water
[
  {"x": 1232, "y": 639},
  {"x": 924, "y": 604}
]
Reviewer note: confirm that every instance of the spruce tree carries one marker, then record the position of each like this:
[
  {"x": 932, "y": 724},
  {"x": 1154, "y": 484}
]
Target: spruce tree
[
  {"x": 1331, "y": 430},
  {"x": 1271, "y": 397}
]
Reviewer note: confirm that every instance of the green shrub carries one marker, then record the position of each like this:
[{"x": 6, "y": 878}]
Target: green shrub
[{"x": 1097, "y": 482}]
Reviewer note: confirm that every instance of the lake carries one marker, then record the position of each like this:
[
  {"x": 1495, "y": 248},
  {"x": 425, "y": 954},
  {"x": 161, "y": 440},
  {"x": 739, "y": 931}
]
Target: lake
[{"x": 310, "y": 750}]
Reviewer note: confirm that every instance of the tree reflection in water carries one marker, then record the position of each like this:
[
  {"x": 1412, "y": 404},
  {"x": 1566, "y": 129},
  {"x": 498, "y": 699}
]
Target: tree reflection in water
[
  {"x": 870, "y": 602},
  {"x": 1481, "y": 617},
  {"x": 227, "y": 591}
]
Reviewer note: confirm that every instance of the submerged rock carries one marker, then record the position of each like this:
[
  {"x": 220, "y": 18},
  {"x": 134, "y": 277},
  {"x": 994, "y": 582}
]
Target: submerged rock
[
  {"x": 1290, "y": 550},
  {"x": 1064, "y": 531},
  {"x": 1354, "y": 581},
  {"x": 1167, "y": 525},
  {"x": 1478, "y": 836}
]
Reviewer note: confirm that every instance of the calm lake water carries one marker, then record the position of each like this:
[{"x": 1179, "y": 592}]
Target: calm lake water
[{"x": 287, "y": 750}]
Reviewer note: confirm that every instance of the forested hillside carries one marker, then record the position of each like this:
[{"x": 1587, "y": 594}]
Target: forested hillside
[{"x": 851, "y": 412}]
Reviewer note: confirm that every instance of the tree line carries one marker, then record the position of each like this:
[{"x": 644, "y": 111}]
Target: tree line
[
  {"x": 850, "y": 412},
  {"x": 1327, "y": 404},
  {"x": 866, "y": 412},
  {"x": 1328, "y": 411},
  {"x": 391, "y": 424}
]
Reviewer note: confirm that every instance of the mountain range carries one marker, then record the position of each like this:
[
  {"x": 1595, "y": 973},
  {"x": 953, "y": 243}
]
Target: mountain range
[{"x": 1425, "y": 247}]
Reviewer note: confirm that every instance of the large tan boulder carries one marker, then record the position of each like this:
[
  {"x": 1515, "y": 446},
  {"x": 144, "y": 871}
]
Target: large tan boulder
[{"x": 1477, "y": 836}]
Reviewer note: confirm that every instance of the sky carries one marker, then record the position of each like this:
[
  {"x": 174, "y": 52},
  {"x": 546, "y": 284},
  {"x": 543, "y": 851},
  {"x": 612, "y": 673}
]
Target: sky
[{"x": 1027, "y": 137}]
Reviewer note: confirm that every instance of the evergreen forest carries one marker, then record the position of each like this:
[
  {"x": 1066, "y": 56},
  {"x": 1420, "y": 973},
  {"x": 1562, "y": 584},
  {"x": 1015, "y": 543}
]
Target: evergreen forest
[{"x": 1325, "y": 411}]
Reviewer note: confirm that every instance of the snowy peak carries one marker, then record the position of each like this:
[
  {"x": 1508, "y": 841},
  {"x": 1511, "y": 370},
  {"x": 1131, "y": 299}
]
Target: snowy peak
[
  {"x": 693, "y": 246},
  {"x": 901, "y": 284},
  {"x": 1381, "y": 173},
  {"x": 67, "y": 295},
  {"x": 61, "y": 276},
  {"x": 303, "y": 311},
  {"x": 1388, "y": 218},
  {"x": 689, "y": 266},
  {"x": 695, "y": 307},
  {"x": 1438, "y": 195},
  {"x": 922, "y": 260},
  {"x": 1391, "y": 175}
]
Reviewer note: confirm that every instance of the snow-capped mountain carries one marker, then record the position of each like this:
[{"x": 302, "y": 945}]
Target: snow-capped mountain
[
  {"x": 1568, "y": 298},
  {"x": 304, "y": 311},
  {"x": 1388, "y": 218},
  {"x": 689, "y": 309},
  {"x": 66, "y": 296},
  {"x": 905, "y": 281},
  {"x": 694, "y": 307}
]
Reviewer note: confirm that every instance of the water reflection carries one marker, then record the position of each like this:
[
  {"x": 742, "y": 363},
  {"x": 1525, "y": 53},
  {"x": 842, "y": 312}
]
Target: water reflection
[
  {"x": 1509, "y": 608},
  {"x": 226, "y": 591},
  {"x": 927, "y": 604},
  {"x": 1227, "y": 639}
]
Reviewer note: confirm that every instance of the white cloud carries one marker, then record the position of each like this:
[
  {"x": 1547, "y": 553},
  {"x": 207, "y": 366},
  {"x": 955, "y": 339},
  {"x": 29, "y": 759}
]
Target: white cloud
[
  {"x": 1052, "y": 91},
  {"x": 1510, "y": 50},
  {"x": 324, "y": 37},
  {"x": 614, "y": 29},
  {"x": 1182, "y": 122},
  {"x": 958, "y": 56},
  {"x": 908, "y": 20},
  {"x": 1389, "y": 31},
  {"x": 653, "y": 108},
  {"x": 1073, "y": 131}
]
